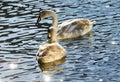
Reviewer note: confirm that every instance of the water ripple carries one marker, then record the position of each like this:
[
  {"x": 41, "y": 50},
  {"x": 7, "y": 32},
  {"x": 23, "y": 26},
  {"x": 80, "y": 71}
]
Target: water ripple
[{"x": 92, "y": 58}]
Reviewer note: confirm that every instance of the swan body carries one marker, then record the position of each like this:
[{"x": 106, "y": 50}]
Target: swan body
[
  {"x": 50, "y": 52},
  {"x": 69, "y": 29}
]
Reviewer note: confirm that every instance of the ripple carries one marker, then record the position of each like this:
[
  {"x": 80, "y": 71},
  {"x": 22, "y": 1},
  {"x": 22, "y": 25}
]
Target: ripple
[{"x": 92, "y": 59}]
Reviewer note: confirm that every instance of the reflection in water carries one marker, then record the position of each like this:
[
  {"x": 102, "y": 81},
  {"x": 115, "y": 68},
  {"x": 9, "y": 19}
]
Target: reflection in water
[
  {"x": 88, "y": 35},
  {"x": 13, "y": 66},
  {"x": 51, "y": 65},
  {"x": 51, "y": 69}
]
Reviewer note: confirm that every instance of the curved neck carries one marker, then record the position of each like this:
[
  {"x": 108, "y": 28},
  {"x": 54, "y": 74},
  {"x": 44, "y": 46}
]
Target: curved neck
[{"x": 55, "y": 19}]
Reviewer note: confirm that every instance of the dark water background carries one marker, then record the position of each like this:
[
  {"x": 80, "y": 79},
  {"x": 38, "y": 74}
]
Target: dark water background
[{"x": 92, "y": 59}]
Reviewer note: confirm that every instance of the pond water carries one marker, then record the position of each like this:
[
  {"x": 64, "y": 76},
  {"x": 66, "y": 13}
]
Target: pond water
[{"x": 92, "y": 58}]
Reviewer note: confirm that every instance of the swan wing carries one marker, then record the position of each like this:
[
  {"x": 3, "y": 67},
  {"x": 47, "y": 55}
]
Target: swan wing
[{"x": 71, "y": 27}]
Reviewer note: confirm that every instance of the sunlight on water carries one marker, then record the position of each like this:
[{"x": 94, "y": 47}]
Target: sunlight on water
[
  {"x": 114, "y": 42},
  {"x": 13, "y": 66},
  {"x": 91, "y": 58},
  {"x": 61, "y": 80},
  {"x": 46, "y": 77},
  {"x": 1, "y": 80},
  {"x": 101, "y": 80},
  {"x": 107, "y": 6}
]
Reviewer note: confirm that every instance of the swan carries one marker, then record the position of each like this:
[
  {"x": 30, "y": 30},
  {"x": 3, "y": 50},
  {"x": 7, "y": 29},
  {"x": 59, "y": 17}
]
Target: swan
[
  {"x": 69, "y": 29},
  {"x": 50, "y": 52}
]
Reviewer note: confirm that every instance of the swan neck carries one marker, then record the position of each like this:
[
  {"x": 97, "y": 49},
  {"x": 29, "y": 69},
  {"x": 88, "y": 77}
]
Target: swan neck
[
  {"x": 53, "y": 37},
  {"x": 55, "y": 19}
]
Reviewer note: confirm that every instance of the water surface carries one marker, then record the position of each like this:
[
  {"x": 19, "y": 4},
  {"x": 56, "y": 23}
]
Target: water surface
[{"x": 93, "y": 58}]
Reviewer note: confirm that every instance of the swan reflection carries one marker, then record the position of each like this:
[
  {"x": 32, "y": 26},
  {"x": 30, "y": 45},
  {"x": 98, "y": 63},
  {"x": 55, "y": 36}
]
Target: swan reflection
[{"x": 52, "y": 65}]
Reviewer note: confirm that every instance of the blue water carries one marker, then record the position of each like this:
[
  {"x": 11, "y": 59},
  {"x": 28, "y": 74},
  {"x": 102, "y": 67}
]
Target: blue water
[{"x": 92, "y": 58}]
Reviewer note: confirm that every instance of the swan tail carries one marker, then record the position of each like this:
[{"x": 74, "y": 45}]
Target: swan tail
[{"x": 93, "y": 22}]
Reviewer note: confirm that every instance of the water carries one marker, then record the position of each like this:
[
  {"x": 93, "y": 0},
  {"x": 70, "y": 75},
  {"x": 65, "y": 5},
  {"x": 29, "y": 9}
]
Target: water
[{"x": 93, "y": 58}]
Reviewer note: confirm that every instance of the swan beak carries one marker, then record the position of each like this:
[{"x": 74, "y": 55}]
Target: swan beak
[{"x": 39, "y": 19}]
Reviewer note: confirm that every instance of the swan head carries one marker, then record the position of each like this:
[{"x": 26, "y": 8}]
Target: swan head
[{"x": 43, "y": 14}]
